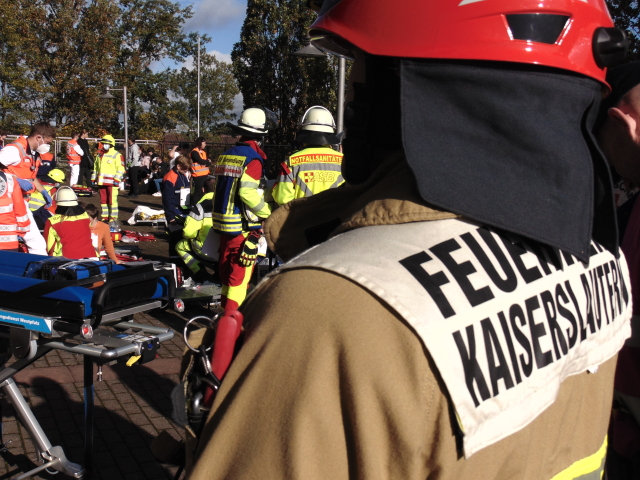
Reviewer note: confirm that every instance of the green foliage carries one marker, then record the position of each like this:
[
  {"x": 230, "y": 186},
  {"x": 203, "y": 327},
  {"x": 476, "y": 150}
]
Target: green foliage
[
  {"x": 58, "y": 57},
  {"x": 625, "y": 14},
  {"x": 267, "y": 73},
  {"x": 218, "y": 88}
]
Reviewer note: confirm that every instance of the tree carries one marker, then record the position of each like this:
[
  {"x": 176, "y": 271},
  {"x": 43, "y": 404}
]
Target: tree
[
  {"x": 58, "y": 57},
  {"x": 218, "y": 88},
  {"x": 625, "y": 14},
  {"x": 267, "y": 73}
]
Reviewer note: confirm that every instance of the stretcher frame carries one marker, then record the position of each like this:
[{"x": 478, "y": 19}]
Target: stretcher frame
[{"x": 94, "y": 339}]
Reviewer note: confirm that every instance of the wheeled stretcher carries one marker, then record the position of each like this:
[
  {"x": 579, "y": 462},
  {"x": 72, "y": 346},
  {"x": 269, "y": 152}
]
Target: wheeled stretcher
[{"x": 88, "y": 316}]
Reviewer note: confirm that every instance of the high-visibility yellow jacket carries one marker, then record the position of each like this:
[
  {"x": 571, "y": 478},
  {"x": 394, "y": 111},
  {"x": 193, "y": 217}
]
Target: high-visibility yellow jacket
[
  {"x": 37, "y": 201},
  {"x": 239, "y": 204},
  {"x": 307, "y": 172},
  {"x": 108, "y": 169},
  {"x": 198, "y": 224}
]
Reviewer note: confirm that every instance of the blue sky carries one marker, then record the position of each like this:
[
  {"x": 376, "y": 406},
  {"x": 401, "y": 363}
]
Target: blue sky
[{"x": 221, "y": 20}]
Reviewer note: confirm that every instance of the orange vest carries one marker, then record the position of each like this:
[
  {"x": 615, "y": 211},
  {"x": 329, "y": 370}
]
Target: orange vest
[
  {"x": 28, "y": 166},
  {"x": 197, "y": 169},
  {"x": 72, "y": 155},
  {"x": 14, "y": 219}
]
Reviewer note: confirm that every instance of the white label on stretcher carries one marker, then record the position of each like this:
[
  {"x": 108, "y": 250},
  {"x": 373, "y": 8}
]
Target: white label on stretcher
[
  {"x": 134, "y": 338},
  {"x": 28, "y": 322}
]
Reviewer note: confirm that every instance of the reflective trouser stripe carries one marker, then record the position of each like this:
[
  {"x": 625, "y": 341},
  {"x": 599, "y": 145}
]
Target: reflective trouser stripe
[
  {"x": 113, "y": 210},
  {"x": 588, "y": 468},
  {"x": 235, "y": 277},
  {"x": 182, "y": 247}
]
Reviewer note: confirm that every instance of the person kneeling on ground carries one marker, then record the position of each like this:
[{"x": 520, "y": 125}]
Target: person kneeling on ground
[
  {"x": 196, "y": 228},
  {"x": 68, "y": 233},
  {"x": 176, "y": 192},
  {"x": 38, "y": 204},
  {"x": 100, "y": 233}
]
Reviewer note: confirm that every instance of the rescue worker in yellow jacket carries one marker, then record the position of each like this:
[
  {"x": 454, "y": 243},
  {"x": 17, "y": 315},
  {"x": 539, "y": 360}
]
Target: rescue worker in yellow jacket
[
  {"x": 450, "y": 313},
  {"x": 38, "y": 204},
  {"x": 195, "y": 231},
  {"x": 108, "y": 173},
  {"x": 315, "y": 168}
]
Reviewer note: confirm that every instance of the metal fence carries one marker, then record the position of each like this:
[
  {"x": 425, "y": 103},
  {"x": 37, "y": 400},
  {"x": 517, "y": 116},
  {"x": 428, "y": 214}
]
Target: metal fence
[{"x": 276, "y": 154}]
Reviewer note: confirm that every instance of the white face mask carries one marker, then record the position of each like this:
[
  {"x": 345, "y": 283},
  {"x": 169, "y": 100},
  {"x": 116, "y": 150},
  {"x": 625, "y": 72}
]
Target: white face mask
[
  {"x": 106, "y": 146},
  {"x": 44, "y": 148},
  {"x": 176, "y": 154}
]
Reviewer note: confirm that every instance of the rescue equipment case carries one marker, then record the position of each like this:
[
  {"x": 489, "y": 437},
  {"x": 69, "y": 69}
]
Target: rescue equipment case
[{"x": 57, "y": 268}]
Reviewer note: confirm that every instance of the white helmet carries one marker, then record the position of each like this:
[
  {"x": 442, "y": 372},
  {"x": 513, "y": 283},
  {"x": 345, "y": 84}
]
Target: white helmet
[
  {"x": 66, "y": 197},
  {"x": 255, "y": 122},
  {"x": 317, "y": 127},
  {"x": 318, "y": 119}
]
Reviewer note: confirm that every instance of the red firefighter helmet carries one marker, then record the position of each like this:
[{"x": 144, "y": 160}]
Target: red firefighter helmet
[{"x": 575, "y": 35}]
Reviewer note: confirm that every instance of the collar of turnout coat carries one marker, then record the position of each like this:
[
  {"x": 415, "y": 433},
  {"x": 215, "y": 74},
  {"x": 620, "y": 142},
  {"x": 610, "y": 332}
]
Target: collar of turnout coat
[{"x": 389, "y": 197}]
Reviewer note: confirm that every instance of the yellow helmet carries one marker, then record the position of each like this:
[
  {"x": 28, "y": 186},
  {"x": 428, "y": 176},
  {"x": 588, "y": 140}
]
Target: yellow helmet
[
  {"x": 57, "y": 175},
  {"x": 108, "y": 139}
]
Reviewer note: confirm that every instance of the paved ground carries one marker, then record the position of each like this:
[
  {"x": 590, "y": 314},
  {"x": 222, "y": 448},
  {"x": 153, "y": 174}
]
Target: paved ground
[{"x": 132, "y": 403}]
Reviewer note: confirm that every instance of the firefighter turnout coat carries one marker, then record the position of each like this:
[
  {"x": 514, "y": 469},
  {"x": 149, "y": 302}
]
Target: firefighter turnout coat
[
  {"x": 239, "y": 204},
  {"x": 418, "y": 345}
]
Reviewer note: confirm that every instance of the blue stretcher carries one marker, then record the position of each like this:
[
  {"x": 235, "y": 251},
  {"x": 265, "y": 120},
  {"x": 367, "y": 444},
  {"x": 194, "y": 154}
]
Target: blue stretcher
[{"x": 80, "y": 316}]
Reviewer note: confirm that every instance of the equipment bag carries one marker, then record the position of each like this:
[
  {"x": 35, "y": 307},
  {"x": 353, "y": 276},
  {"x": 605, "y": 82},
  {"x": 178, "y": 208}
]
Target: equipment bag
[{"x": 57, "y": 268}]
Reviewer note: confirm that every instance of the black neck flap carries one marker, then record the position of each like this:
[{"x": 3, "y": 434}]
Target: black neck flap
[{"x": 511, "y": 148}]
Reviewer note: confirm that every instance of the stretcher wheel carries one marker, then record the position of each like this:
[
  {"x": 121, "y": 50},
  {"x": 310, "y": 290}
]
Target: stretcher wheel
[{"x": 178, "y": 305}]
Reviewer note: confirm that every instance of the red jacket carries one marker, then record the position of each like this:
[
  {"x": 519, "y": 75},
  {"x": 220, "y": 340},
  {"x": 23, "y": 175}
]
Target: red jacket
[{"x": 69, "y": 236}]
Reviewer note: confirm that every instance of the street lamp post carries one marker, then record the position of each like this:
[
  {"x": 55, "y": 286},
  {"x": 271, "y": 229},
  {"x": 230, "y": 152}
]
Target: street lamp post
[
  {"x": 198, "y": 85},
  {"x": 311, "y": 51},
  {"x": 341, "y": 72},
  {"x": 108, "y": 96}
]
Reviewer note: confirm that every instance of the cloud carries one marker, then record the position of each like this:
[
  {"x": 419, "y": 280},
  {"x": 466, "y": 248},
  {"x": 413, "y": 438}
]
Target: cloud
[
  {"x": 237, "y": 105},
  {"x": 214, "y": 13},
  {"x": 190, "y": 62},
  {"x": 221, "y": 57}
]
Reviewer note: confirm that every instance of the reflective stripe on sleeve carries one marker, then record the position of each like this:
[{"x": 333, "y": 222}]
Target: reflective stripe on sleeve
[
  {"x": 258, "y": 207},
  {"x": 249, "y": 185},
  {"x": 23, "y": 218}
]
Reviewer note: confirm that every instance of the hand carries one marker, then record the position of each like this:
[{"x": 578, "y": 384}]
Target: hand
[
  {"x": 47, "y": 198},
  {"x": 25, "y": 185},
  {"x": 249, "y": 252}
]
